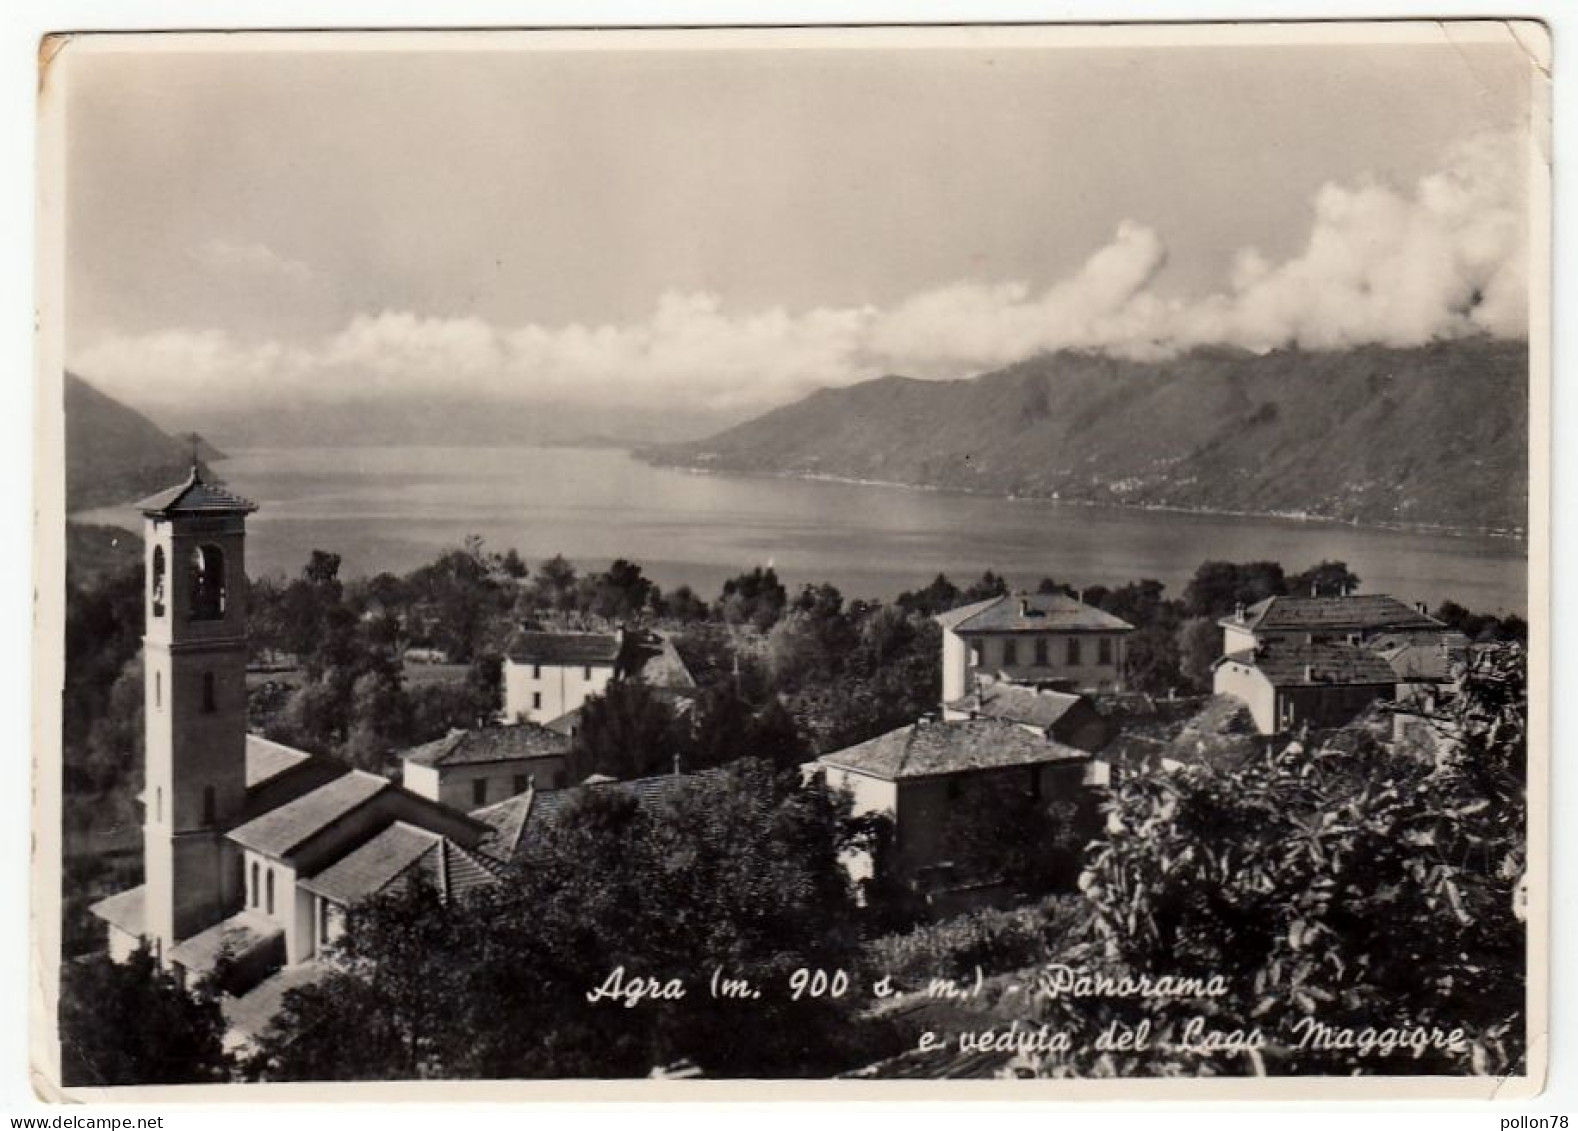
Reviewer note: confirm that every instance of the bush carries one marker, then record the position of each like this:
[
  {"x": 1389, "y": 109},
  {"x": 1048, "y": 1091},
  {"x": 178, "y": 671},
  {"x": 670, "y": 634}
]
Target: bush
[{"x": 995, "y": 940}]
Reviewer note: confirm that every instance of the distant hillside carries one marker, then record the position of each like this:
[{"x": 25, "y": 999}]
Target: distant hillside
[
  {"x": 1432, "y": 436},
  {"x": 114, "y": 454}
]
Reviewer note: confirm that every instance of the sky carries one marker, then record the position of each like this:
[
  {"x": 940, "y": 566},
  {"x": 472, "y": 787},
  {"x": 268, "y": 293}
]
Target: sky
[{"x": 729, "y": 230}]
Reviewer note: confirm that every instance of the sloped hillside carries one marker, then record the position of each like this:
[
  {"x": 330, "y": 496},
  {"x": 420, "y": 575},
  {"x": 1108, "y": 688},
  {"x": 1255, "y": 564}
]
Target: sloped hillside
[
  {"x": 1430, "y": 436},
  {"x": 114, "y": 454}
]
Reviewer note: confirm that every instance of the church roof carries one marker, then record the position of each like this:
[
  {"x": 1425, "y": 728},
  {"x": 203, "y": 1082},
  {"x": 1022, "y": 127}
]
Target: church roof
[
  {"x": 397, "y": 853},
  {"x": 279, "y": 831},
  {"x": 125, "y": 910},
  {"x": 266, "y": 759},
  {"x": 239, "y": 937},
  {"x": 1031, "y": 612},
  {"x": 933, "y": 749},
  {"x": 490, "y": 744},
  {"x": 195, "y": 497}
]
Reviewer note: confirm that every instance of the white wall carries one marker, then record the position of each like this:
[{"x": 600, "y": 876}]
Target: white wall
[
  {"x": 1089, "y": 674},
  {"x": 1249, "y": 685},
  {"x": 540, "y": 693}
]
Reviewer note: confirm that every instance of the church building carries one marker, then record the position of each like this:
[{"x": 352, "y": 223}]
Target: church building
[{"x": 253, "y": 851}]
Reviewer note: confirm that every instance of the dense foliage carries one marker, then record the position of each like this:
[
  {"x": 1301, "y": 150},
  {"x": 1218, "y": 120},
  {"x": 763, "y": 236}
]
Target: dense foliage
[
  {"x": 737, "y": 872},
  {"x": 131, "y": 1023},
  {"x": 1364, "y": 884}
]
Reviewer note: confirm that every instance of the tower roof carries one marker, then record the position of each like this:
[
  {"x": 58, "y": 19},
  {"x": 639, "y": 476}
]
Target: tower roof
[{"x": 195, "y": 497}]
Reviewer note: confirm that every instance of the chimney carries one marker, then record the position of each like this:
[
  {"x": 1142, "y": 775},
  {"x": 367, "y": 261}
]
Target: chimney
[
  {"x": 1024, "y": 606},
  {"x": 1421, "y": 608},
  {"x": 677, "y": 770},
  {"x": 1314, "y": 588},
  {"x": 1238, "y": 612},
  {"x": 1309, "y": 673}
]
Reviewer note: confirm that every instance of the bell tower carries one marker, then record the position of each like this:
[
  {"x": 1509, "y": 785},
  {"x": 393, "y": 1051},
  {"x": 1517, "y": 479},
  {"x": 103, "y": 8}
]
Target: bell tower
[{"x": 195, "y": 652}]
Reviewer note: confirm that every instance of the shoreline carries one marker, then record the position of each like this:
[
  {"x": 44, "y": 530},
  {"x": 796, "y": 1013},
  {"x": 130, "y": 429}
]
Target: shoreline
[{"x": 1301, "y": 517}]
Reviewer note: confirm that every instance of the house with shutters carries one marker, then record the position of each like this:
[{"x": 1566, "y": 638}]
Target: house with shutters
[
  {"x": 548, "y": 676},
  {"x": 1042, "y": 638},
  {"x": 470, "y": 769}
]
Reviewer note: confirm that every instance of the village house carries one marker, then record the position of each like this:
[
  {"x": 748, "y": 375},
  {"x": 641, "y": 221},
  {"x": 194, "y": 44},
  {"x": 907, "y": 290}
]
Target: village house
[
  {"x": 1287, "y": 686},
  {"x": 1320, "y": 661},
  {"x": 1062, "y": 716},
  {"x": 918, "y": 775},
  {"x": 468, "y": 769},
  {"x": 548, "y": 676},
  {"x": 1045, "y": 638},
  {"x": 1351, "y": 619},
  {"x": 252, "y": 851}
]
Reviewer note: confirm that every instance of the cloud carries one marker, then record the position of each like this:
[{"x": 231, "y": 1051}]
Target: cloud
[
  {"x": 249, "y": 259},
  {"x": 1444, "y": 258}
]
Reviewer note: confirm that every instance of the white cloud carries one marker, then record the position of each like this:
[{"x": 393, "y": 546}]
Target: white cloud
[
  {"x": 1443, "y": 259},
  {"x": 254, "y": 259}
]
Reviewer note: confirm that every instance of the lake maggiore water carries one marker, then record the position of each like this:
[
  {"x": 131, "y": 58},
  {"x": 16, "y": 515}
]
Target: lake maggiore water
[{"x": 395, "y": 508}]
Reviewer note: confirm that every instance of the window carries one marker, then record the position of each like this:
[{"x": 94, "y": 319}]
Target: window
[
  {"x": 586, "y": 674},
  {"x": 1010, "y": 652},
  {"x": 536, "y": 700},
  {"x": 1105, "y": 648},
  {"x": 268, "y": 892},
  {"x": 536, "y": 671},
  {"x": 210, "y": 703},
  {"x": 207, "y": 583},
  {"x": 323, "y": 922},
  {"x": 157, "y": 589},
  {"x": 479, "y": 791},
  {"x": 254, "y": 895},
  {"x": 208, "y": 805},
  {"x": 1041, "y": 651},
  {"x": 1073, "y": 652},
  {"x": 158, "y": 690},
  {"x": 158, "y": 803},
  {"x": 521, "y": 784}
]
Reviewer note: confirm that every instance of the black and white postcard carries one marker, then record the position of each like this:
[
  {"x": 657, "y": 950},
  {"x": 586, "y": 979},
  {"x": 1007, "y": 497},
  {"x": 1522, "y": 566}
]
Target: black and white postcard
[{"x": 1002, "y": 562}]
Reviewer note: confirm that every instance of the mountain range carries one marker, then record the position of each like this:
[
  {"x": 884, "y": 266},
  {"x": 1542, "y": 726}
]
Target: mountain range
[
  {"x": 1427, "y": 436},
  {"x": 115, "y": 454}
]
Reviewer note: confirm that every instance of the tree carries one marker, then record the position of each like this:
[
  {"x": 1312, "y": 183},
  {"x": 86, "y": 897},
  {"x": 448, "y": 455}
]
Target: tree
[
  {"x": 627, "y": 732},
  {"x": 1360, "y": 884},
  {"x": 684, "y": 606},
  {"x": 1328, "y": 579},
  {"x": 990, "y": 585},
  {"x": 938, "y": 597},
  {"x": 1217, "y": 588},
  {"x": 738, "y": 870},
  {"x": 132, "y": 1024},
  {"x": 620, "y": 592},
  {"x": 755, "y": 598},
  {"x": 1199, "y": 647}
]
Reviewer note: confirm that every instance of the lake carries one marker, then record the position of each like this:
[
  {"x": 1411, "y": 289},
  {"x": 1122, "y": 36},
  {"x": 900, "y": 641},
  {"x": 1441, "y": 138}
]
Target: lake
[{"x": 394, "y": 508}]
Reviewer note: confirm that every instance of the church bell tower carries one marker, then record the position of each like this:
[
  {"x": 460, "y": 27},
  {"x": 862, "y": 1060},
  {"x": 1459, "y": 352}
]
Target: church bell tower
[{"x": 195, "y": 652}]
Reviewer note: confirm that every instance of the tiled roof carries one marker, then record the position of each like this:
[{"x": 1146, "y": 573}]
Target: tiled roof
[
  {"x": 454, "y": 870},
  {"x": 1031, "y": 612},
  {"x": 251, "y": 1013},
  {"x": 279, "y": 831},
  {"x": 1028, "y": 705},
  {"x": 267, "y": 759},
  {"x": 125, "y": 910},
  {"x": 490, "y": 744},
  {"x": 566, "y": 724},
  {"x": 928, "y": 749},
  {"x": 367, "y": 870},
  {"x": 655, "y": 659},
  {"x": 508, "y": 820},
  {"x": 1429, "y": 658},
  {"x": 239, "y": 936},
  {"x": 195, "y": 497},
  {"x": 564, "y": 648},
  {"x": 397, "y": 853},
  {"x": 1333, "y": 614},
  {"x": 1315, "y": 665}
]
